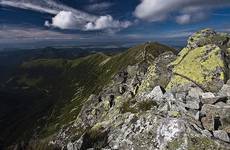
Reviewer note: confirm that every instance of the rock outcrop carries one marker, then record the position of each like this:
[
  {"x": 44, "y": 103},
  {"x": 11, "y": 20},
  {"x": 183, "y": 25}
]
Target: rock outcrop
[
  {"x": 176, "y": 103},
  {"x": 159, "y": 120},
  {"x": 203, "y": 63}
]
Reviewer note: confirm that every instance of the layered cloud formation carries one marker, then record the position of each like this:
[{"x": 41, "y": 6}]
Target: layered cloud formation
[
  {"x": 183, "y": 11},
  {"x": 66, "y": 17},
  {"x": 89, "y": 19}
]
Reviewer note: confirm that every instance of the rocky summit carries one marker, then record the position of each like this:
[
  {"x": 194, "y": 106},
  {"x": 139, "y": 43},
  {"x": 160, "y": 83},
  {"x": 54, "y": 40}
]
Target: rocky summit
[{"x": 163, "y": 101}]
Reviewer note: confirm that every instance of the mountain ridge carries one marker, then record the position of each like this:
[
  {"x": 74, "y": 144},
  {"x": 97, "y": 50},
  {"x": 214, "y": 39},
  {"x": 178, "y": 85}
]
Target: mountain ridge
[
  {"x": 70, "y": 76},
  {"x": 134, "y": 113},
  {"x": 148, "y": 97}
]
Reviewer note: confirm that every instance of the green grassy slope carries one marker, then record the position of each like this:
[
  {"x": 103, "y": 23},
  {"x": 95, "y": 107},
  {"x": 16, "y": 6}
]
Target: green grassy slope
[{"x": 66, "y": 85}]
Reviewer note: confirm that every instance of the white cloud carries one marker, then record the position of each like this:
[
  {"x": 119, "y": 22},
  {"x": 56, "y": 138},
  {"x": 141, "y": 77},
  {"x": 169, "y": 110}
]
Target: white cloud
[
  {"x": 184, "y": 11},
  {"x": 48, "y": 6},
  {"x": 67, "y": 17},
  {"x": 63, "y": 20},
  {"x": 106, "y": 22},
  {"x": 152, "y": 10}
]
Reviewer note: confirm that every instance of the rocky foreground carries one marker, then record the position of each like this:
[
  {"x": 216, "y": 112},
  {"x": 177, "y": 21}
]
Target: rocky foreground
[{"x": 168, "y": 102}]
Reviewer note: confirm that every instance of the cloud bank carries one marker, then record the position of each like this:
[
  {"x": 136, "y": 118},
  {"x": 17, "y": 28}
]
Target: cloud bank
[{"x": 183, "y": 11}]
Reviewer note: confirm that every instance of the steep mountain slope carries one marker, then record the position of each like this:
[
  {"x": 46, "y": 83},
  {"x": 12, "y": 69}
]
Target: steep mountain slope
[
  {"x": 58, "y": 88},
  {"x": 131, "y": 112}
]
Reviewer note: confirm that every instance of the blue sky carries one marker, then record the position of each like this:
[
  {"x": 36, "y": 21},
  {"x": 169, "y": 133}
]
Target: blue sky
[{"x": 31, "y": 23}]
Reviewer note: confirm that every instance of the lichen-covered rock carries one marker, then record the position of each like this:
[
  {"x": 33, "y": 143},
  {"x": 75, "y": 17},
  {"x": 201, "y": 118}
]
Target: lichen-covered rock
[
  {"x": 204, "y": 62},
  {"x": 208, "y": 36},
  {"x": 203, "y": 67},
  {"x": 157, "y": 73}
]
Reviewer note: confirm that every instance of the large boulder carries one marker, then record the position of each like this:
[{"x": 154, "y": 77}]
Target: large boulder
[
  {"x": 203, "y": 67},
  {"x": 204, "y": 62}
]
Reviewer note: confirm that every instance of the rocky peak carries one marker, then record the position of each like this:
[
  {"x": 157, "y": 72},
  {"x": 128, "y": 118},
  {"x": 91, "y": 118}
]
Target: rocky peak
[
  {"x": 208, "y": 36},
  {"x": 204, "y": 62}
]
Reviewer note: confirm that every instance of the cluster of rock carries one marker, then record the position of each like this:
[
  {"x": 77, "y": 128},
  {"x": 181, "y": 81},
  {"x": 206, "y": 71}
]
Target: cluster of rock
[
  {"x": 173, "y": 103},
  {"x": 185, "y": 120}
]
